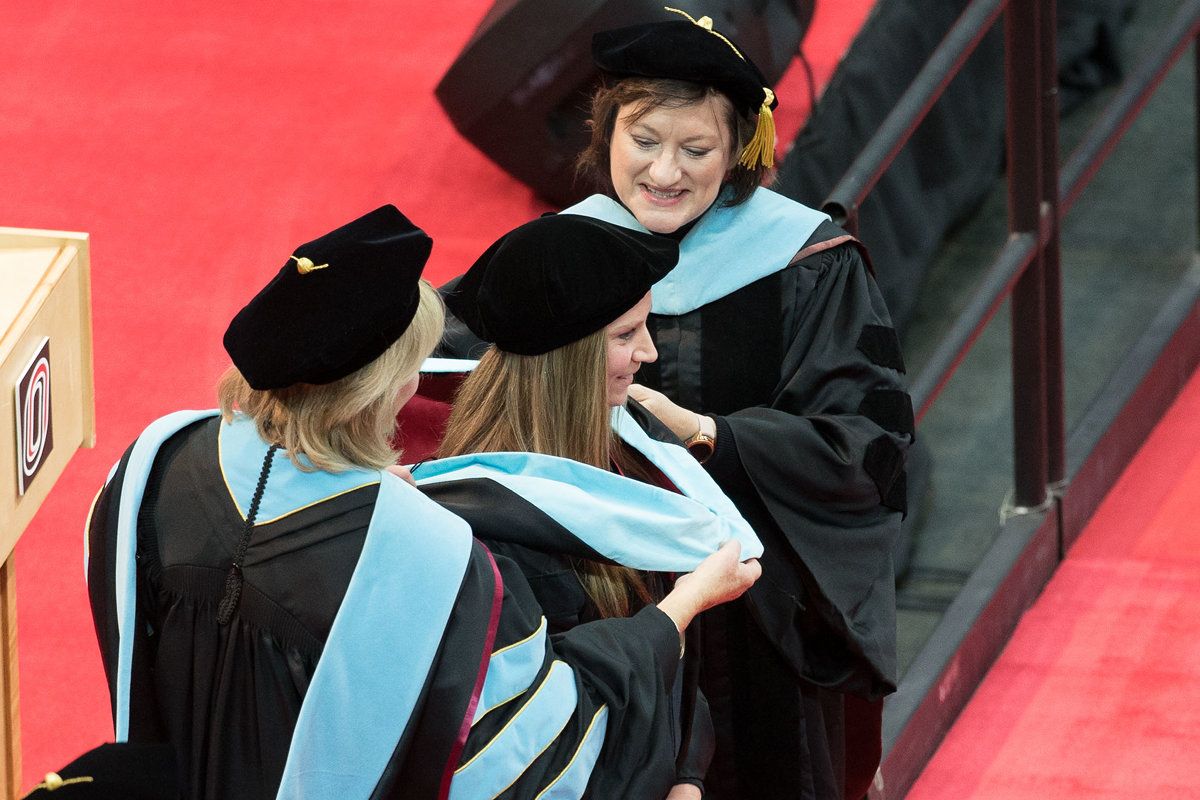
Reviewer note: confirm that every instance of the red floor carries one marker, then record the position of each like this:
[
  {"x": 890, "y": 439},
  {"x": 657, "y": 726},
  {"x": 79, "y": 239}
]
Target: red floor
[
  {"x": 198, "y": 143},
  {"x": 1098, "y": 694}
]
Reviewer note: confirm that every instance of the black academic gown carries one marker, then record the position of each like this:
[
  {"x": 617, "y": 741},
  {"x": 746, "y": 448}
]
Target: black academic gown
[
  {"x": 802, "y": 372},
  {"x": 227, "y": 697},
  {"x": 537, "y": 544}
]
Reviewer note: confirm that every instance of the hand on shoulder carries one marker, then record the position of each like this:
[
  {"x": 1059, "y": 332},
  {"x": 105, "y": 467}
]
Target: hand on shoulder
[{"x": 683, "y": 423}]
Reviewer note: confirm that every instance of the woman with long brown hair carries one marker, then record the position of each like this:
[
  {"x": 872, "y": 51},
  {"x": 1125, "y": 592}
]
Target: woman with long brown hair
[{"x": 565, "y": 300}]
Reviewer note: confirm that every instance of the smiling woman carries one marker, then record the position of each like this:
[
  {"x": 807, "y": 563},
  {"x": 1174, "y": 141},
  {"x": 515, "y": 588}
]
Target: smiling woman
[
  {"x": 778, "y": 364},
  {"x": 629, "y": 346},
  {"x": 666, "y": 148},
  {"x": 565, "y": 299},
  {"x": 669, "y": 163}
]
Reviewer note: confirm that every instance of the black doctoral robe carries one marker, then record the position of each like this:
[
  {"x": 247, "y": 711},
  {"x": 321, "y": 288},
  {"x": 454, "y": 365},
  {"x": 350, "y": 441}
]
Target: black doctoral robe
[
  {"x": 544, "y": 552},
  {"x": 801, "y": 370},
  {"x": 228, "y": 697}
]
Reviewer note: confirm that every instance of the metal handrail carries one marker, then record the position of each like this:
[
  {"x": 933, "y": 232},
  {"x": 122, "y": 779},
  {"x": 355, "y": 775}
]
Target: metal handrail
[
  {"x": 1018, "y": 252},
  {"x": 1133, "y": 95},
  {"x": 1027, "y": 270},
  {"x": 910, "y": 110},
  {"x": 1034, "y": 237},
  {"x": 1080, "y": 168}
]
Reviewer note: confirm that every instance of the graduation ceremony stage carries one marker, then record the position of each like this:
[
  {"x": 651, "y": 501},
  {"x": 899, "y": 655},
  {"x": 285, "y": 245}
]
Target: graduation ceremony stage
[{"x": 199, "y": 144}]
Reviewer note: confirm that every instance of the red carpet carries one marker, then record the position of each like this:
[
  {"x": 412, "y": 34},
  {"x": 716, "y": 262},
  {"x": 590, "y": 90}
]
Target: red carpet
[
  {"x": 1096, "y": 694},
  {"x": 198, "y": 143}
]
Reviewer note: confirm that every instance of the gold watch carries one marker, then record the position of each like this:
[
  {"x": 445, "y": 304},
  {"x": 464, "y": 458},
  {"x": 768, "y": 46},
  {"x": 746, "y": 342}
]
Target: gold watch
[{"x": 701, "y": 444}]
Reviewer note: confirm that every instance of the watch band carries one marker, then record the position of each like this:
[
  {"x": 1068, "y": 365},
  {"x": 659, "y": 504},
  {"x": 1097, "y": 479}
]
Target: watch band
[{"x": 700, "y": 444}]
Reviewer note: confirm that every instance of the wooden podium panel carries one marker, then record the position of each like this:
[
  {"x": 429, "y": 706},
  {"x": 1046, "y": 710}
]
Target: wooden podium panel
[{"x": 45, "y": 293}]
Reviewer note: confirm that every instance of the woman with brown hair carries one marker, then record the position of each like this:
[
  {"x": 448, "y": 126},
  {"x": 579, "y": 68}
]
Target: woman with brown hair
[{"x": 565, "y": 300}]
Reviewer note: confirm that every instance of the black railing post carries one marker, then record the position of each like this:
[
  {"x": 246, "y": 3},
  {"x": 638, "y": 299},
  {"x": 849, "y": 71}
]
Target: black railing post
[
  {"x": 850, "y": 225},
  {"x": 1056, "y": 435},
  {"x": 1022, "y": 46}
]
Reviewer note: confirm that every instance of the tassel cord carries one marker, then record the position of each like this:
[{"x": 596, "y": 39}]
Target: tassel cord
[
  {"x": 761, "y": 148},
  {"x": 233, "y": 582}
]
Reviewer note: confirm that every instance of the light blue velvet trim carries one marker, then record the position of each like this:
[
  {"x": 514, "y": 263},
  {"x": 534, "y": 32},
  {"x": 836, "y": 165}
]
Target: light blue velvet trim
[
  {"x": 526, "y": 736},
  {"x": 633, "y": 523},
  {"x": 729, "y": 248},
  {"x": 376, "y": 659},
  {"x": 572, "y": 781},
  {"x": 438, "y": 365},
  {"x": 133, "y": 489},
  {"x": 380, "y": 648},
  {"x": 511, "y": 671},
  {"x": 87, "y": 546},
  {"x": 242, "y": 453},
  {"x": 680, "y": 466}
]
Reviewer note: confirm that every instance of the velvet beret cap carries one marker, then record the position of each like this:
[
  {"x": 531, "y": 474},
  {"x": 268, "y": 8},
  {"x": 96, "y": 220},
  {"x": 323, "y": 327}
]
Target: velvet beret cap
[
  {"x": 557, "y": 279},
  {"x": 126, "y": 771},
  {"x": 686, "y": 51},
  {"x": 335, "y": 306}
]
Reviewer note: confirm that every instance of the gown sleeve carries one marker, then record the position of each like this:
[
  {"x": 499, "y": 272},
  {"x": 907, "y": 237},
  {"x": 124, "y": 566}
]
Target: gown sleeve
[
  {"x": 566, "y": 606},
  {"x": 622, "y": 671},
  {"x": 822, "y": 469}
]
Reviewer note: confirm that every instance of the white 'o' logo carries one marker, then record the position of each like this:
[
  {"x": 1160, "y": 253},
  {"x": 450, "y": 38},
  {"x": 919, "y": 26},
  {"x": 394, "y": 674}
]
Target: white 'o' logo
[{"x": 35, "y": 423}]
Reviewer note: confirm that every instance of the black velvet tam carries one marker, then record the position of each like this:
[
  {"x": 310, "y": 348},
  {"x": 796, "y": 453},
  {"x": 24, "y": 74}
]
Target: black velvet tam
[
  {"x": 557, "y": 279},
  {"x": 115, "y": 772},
  {"x": 336, "y": 305},
  {"x": 685, "y": 51}
]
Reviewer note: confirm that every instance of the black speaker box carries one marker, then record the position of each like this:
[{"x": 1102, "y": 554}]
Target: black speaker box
[{"x": 519, "y": 90}]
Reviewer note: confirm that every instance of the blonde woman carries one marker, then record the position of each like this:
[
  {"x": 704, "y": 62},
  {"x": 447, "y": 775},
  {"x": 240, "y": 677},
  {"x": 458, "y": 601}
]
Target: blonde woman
[{"x": 276, "y": 601}]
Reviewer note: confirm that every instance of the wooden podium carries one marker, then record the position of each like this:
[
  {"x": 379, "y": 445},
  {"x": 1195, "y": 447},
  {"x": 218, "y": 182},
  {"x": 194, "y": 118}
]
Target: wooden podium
[{"x": 47, "y": 410}]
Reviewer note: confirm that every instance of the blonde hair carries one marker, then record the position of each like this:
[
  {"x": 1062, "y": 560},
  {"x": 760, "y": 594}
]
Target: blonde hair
[
  {"x": 346, "y": 424},
  {"x": 555, "y": 404}
]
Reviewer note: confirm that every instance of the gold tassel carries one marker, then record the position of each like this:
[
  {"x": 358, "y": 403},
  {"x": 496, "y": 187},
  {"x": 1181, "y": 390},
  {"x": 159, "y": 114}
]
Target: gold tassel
[{"x": 761, "y": 148}]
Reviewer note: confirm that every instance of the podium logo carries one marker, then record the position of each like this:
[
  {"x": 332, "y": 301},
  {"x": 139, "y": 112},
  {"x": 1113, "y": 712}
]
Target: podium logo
[{"x": 35, "y": 433}]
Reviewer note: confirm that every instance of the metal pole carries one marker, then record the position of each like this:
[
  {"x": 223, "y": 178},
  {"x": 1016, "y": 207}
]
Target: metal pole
[
  {"x": 1056, "y": 434},
  {"x": 1124, "y": 108},
  {"x": 850, "y": 224},
  {"x": 1012, "y": 262},
  {"x": 1022, "y": 44},
  {"x": 945, "y": 62}
]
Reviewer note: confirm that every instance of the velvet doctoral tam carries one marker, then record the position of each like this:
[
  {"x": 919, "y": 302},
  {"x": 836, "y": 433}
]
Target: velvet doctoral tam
[
  {"x": 685, "y": 51},
  {"x": 557, "y": 279},
  {"x": 335, "y": 306}
]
